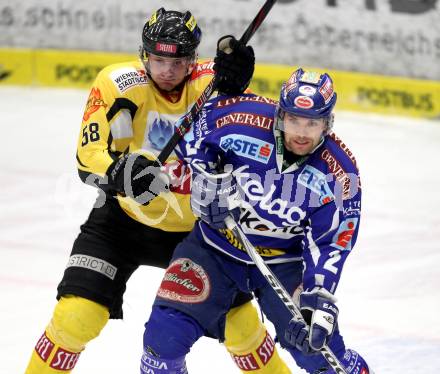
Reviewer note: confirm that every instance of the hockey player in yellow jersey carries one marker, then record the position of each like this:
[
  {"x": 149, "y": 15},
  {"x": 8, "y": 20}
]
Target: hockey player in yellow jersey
[{"x": 129, "y": 116}]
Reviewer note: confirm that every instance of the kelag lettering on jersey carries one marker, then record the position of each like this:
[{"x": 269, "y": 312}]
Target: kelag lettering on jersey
[{"x": 309, "y": 211}]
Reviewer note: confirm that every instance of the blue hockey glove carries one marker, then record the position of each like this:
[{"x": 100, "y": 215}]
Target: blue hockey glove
[
  {"x": 234, "y": 65},
  {"x": 137, "y": 177},
  {"x": 320, "y": 314},
  {"x": 214, "y": 197}
]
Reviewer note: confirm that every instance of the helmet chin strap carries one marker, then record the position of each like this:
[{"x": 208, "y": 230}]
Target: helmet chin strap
[
  {"x": 319, "y": 144},
  {"x": 330, "y": 121},
  {"x": 192, "y": 63}
]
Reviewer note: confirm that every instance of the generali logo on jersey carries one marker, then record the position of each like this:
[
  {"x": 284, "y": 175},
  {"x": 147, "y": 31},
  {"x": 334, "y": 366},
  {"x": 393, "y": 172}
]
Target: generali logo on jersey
[
  {"x": 248, "y": 119},
  {"x": 247, "y": 98},
  {"x": 339, "y": 173},
  {"x": 346, "y": 150}
]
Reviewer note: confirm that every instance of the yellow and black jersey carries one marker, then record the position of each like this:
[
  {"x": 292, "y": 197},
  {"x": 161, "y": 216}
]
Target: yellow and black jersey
[{"x": 126, "y": 112}]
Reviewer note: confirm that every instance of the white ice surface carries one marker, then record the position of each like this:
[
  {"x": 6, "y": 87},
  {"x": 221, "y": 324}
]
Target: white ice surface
[{"x": 389, "y": 295}]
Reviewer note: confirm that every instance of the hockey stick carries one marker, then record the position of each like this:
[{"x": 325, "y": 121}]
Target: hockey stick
[
  {"x": 210, "y": 88},
  {"x": 279, "y": 289}
]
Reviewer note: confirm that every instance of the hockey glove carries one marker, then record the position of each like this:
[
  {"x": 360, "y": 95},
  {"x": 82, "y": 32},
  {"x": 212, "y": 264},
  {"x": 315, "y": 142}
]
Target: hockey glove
[
  {"x": 137, "y": 177},
  {"x": 234, "y": 65},
  {"x": 214, "y": 197},
  {"x": 320, "y": 313}
]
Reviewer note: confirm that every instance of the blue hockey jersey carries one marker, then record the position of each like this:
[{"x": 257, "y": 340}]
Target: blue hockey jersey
[{"x": 307, "y": 211}]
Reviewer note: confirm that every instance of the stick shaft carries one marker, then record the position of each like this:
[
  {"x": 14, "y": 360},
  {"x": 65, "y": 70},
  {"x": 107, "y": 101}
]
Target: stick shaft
[
  {"x": 279, "y": 289},
  {"x": 210, "y": 88}
]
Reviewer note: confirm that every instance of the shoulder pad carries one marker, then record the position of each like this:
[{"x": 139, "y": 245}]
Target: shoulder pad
[
  {"x": 249, "y": 98},
  {"x": 127, "y": 76},
  {"x": 340, "y": 145},
  {"x": 341, "y": 163}
]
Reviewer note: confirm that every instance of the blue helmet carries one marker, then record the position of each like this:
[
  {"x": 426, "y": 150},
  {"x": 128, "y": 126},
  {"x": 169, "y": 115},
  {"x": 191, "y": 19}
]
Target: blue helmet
[{"x": 308, "y": 94}]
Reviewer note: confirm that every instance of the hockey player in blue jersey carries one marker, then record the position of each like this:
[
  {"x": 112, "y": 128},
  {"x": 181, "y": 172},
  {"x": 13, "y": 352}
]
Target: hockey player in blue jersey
[{"x": 293, "y": 187}]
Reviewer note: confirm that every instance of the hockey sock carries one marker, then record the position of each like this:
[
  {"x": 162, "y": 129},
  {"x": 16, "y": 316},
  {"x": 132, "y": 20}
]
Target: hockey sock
[
  {"x": 170, "y": 334},
  {"x": 75, "y": 322},
  {"x": 250, "y": 345},
  {"x": 152, "y": 364}
]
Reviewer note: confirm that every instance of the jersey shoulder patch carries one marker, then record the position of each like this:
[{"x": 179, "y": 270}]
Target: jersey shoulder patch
[
  {"x": 341, "y": 163},
  {"x": 346, "y": 157},
  {"x": 126, "y": 76},
  {"x": 202, "y": 69}
]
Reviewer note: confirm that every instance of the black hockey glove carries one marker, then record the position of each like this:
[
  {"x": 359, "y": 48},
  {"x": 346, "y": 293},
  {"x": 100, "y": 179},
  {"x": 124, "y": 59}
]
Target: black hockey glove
[
  {"x": 234, "y": 65},
  {"x": 137, "y": 177}
]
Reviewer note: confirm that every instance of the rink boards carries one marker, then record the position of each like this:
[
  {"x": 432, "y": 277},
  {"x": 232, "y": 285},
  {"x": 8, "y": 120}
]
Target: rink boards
[{"x": 356, "y": 91}]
